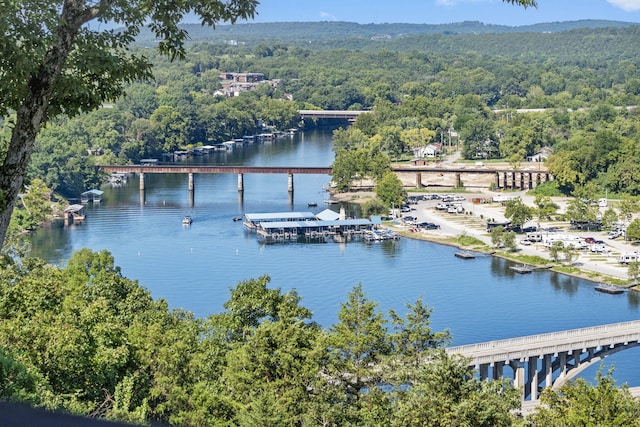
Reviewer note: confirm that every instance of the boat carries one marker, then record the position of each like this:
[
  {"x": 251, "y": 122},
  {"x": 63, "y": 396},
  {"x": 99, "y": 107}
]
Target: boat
[
  {"x": 331, "y": 202},
  {"x": 312, "y": 204},
  {"x": 187, "y": 220},
  {"x": 237, "y": 218},
  {"x": 464, "y": 255},
  {"x": 608, "y": 288},
  {"x": 521, "y": 269}
]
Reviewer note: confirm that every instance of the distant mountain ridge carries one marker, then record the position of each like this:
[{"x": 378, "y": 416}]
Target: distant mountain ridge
[{"x": 304, "y": 32}]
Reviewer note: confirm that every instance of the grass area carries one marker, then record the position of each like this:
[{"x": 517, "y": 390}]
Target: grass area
[
  {"x": 528, "y": 259},
  {"x": 466, "y": 240}
]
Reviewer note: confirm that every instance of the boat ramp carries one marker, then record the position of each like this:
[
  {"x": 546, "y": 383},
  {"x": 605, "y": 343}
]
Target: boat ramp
[{"x": 305, "y": 226}]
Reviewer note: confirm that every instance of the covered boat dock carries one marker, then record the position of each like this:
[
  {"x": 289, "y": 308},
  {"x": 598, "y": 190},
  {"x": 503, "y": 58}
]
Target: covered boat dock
[
  {"x": 94, "y": 196},
  {"x": 312, "y": 229},
  {"x": 74, "y": 213},
  {"x": 251, "y": 220}
]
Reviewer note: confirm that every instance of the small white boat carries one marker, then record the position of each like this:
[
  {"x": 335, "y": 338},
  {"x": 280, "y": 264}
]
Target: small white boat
[{"x": 187, "y": 220}]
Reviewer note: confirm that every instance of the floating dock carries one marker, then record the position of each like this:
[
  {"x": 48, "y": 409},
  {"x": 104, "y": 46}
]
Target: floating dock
[
  {"x": 464, "y": 255},
  {"x": 521, "y": 269}
]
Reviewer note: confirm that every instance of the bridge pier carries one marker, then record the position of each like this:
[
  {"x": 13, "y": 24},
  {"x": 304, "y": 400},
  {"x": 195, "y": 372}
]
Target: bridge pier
[
  {"x": 497, "y": 180},
  {"x": 531, "y": 386},
  {"x": 418, "y": 180},
  {"x": 521, "y": 181},
  {"x": 458, "y": 180},
  {"x": 240, "y": 182},
  {"x": 191, "y": 185},
  {"x": 141, "y": 183},
  {"x": 290, "y": 183},
  {"x": 530, "y": 181}
]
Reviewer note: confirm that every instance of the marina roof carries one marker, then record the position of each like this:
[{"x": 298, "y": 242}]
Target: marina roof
[
  {"x": 73, "y": 208},
  {"x": 275, "y": 216},
  {"x": 314, "y": 224},
  {"x": 93, "y": 191},
  {"x": 328, "y": 215}
]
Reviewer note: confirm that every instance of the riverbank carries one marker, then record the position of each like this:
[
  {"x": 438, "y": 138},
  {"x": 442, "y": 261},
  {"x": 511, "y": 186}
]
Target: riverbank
[{"x": 467, "y": 231}]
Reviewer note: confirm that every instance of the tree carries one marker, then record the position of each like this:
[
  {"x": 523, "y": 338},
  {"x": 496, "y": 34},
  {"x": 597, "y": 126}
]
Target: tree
[
  {"x": 545, "y": 207},
  {"x": 633, "y": 230},
  {"x": 517, "y": 212},
  {"x": 53, "y": 62},
  {"x": 389, "y": 190},
  {"x": 628, "y": 206},
  {"x": 357, "y": 343},
  {"x": 579, "y": 403},
  {"x": 445, "y": 393},
  {"x": 633, "y": 271},
  {"x": 555, "y": 250}
]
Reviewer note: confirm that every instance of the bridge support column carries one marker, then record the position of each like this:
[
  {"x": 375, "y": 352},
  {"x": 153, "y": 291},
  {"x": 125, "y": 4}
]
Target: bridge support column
[
  {"x": 531, "y": 388},
  {"x": 240, "y": 182},
  {"x": 418, "y": 180},
  {"x": 458, "y": 180},
  {"x": 506, "y": 181},
  {"x": 547, "y": 178},
  {"x": 497, "y": 180},
  {"x": 530, "y": 180},
  {"x": 484, "y": 371},
  {"x": 538, "y": 179},
  {"x": 141, "y": 187},
  {"x": 547, "y": 370},
  {"x": 290, "y": 183},
  {"x": 191, "y": 186},
  {"x": 513, "y": 181},
  {"x": 518, "y": 375},
  {"x": 521, "y": 181},
  {"x": 496, "y": 374}
]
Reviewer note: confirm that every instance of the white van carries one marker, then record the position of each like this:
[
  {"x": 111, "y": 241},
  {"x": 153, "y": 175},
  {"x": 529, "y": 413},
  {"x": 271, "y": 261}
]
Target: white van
[{"x": 602, "y": 203}]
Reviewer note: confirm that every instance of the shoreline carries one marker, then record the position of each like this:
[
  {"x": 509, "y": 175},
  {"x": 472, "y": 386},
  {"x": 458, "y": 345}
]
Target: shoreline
[{"x": 471, "y": 226}]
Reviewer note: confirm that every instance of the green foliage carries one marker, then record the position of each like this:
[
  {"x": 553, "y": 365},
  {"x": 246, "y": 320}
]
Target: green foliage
[
  {"x": 578, "y": 403},
  {"x": 390, "y": 190},
  {"x": 555, "y": 250},
  {"x": 545, "y": 207},
  {"x": 517, "y": 212},
  {"x": 374, "y": 207},
  {"x": 549, "y": 189},
  {"x": 633, "y": 230}
]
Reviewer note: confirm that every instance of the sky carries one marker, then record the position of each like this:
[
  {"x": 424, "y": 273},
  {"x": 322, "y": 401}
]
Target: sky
[{"x": 445, "y": 11}]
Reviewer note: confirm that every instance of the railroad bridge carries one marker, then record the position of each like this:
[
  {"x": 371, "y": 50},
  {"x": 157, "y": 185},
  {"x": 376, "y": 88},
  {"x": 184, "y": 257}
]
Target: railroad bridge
[
  {"x": 522, "y": 179},
  {"x": 551, "y": 359},
  {"x": 240, "y": 170}
]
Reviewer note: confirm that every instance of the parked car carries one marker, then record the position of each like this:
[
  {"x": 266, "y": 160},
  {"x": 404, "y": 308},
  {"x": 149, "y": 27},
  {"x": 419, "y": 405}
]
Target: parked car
[
  {"x": 429, "y": 225},
  {"x": 589, "y": 240},
  {"x": 526, "y": 242}
]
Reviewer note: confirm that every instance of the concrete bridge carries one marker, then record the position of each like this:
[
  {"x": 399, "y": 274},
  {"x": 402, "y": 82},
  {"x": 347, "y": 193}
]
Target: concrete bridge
[{"x": 551, "y": 359}]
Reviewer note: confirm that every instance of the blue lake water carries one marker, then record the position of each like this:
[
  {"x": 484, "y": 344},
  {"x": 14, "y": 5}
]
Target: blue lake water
[{"x": 194, "y": 267}]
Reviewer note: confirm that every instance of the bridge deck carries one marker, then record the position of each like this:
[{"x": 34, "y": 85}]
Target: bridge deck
[
  {"x": 216, "y": 169},
  {"x": 549, "y": 343}
]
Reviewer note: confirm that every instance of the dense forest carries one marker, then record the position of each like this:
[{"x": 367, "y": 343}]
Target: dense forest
[{"x": 86, "y": 339}]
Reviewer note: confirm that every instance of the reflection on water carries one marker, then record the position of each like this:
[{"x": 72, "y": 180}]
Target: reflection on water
[{"x": 566, "y": 284}]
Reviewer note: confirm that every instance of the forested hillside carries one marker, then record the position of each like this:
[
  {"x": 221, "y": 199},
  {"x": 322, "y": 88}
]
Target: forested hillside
[{"x": 332, "y": 34}]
